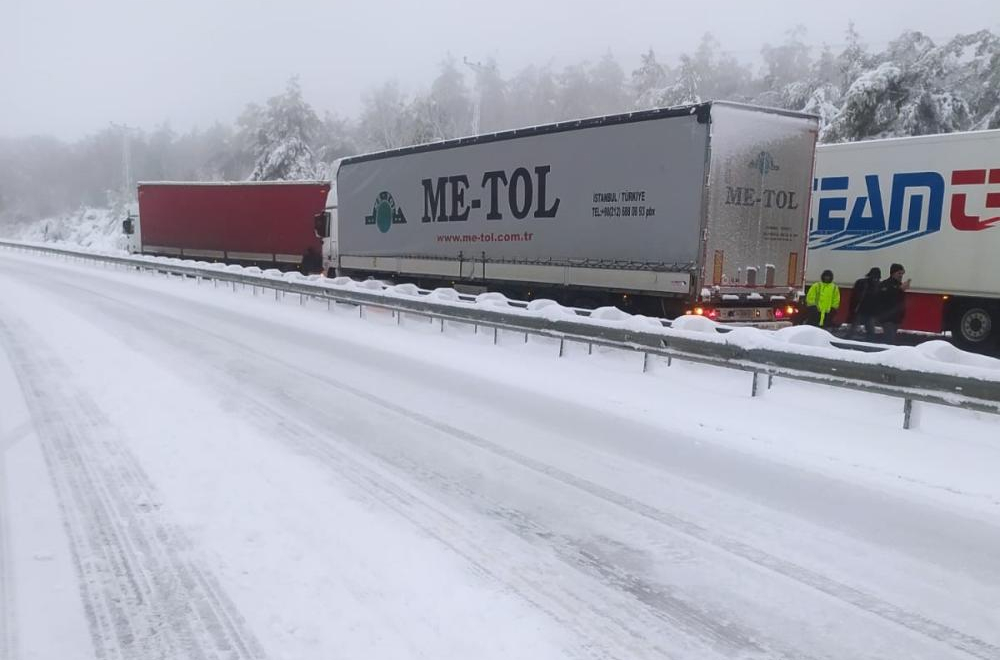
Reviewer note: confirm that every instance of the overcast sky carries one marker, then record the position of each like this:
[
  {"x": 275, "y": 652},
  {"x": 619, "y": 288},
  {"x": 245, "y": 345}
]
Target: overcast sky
[{"x": 68, "y": 67}]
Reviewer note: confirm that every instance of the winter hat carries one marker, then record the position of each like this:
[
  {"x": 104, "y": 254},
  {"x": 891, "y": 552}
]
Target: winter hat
[
  {"x": 826, "y": 274},
  {"x": 875, "y": 273},
  {"x": 895, "y": 268}
]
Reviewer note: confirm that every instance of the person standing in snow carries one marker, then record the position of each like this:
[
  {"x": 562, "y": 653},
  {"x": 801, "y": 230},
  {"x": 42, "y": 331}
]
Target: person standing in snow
[
  {"x": 892, "y": 302},
  {"x": 865, "y": 304},
  {"x": 822, "y": 301},
  {"x": 312, "y": 261}
]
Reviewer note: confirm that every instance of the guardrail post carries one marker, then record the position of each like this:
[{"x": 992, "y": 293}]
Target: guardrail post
[
  {"x": 399, "y": 317},
  {"x": 911, "y": 414},
  {"x": 562, "y": 346},
  {"x": 770, "y": 381},
  {"x": 526, "y": 338},
  {"x": 753, "y": 385},
  {"x": 670, "y": 360},
  {"x": 590, "y": 349},
  {"x": 645, "y": 362},
  {"x": 361, "y": 311},
  {"x": 496, "y": 336},
  {"x": 302, "y": 300},
  {"x": 442, "y": 324}
]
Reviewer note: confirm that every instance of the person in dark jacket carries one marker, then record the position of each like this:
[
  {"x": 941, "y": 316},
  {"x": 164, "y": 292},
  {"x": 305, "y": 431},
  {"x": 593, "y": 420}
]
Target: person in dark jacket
[
  {"x": 892, "y": 302},
  {"x": 312, "y": 261},
  {"x": 865, "y": 304}
]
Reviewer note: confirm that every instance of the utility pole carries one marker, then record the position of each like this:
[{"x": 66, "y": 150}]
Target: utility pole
[
  {"x": 479, "y": 68},
  {"x": 126, "y": 156}
]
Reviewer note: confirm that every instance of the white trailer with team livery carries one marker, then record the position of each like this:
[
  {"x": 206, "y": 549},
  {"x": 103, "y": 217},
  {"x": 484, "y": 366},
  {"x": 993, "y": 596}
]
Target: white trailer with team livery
[
  {"x": 930, "y": 203},
  {"x": 700, "y": 208}
]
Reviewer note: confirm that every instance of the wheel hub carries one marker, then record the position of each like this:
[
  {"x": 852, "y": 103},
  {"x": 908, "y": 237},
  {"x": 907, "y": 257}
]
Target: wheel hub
[{"x": 976, "y": 325}]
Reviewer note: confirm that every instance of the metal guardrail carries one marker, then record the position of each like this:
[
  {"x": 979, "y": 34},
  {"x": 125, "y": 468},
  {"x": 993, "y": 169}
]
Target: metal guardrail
[{"x": 907, "y": 384}]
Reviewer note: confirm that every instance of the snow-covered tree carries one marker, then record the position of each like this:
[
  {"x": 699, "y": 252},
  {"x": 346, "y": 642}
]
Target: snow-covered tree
[
  {"x": 283, "y": 137},
  {"x": 870, "y": 106},
  {"x": 334, "y": 140},
  {"x": 494, "y": 111},
  {"x": 788, "y": 63},
  {"x": 533, "y": 96},
  {"x": 385, "y": 122},
  {"x": 647, "y": 81},
  {"x": 445, "y": 112},
  {"x": 607, "y": 80}
]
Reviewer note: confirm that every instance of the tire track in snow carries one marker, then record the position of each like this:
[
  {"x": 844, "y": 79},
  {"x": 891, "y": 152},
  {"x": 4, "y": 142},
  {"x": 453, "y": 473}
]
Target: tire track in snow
[
  {"x": 144, "y": 597},
  {"x": 657, "y": 604},
  {"x": 8, "y": 637},
  {"x": 621, "y": 624},
  {"x": 878, "y": 607},
  {"x": 858, "y": 598},
  {"x": 9, "y": 435}
]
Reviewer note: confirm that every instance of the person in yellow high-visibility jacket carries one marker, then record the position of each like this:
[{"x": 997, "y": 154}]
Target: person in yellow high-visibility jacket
[{"x": 822, "y": 301}]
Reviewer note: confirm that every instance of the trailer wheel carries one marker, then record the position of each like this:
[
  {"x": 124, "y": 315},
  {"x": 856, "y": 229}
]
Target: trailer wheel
[{"x": 975, "y": 326}]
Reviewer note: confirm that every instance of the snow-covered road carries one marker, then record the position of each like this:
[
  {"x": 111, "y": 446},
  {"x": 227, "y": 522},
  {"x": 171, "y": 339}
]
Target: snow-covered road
[{"x": 191, "y": 472}]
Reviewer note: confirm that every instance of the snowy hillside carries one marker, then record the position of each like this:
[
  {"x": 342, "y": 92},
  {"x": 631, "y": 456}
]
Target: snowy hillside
[{"x": 95, "y": 228}]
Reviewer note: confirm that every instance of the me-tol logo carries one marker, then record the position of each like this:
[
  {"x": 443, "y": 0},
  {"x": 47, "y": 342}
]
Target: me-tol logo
[
  {"x": 520, "y": 193},
  {"x": 769, "y": 198},
  {"x": 842, "y": 222}
]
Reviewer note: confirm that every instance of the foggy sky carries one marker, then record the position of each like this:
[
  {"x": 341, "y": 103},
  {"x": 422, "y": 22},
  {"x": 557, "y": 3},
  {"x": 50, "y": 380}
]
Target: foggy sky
[{"x": 68, "y": 67}]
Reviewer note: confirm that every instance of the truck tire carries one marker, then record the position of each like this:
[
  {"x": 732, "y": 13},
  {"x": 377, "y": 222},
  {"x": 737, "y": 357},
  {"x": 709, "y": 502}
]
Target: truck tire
[{"x": 975, "y": 326}]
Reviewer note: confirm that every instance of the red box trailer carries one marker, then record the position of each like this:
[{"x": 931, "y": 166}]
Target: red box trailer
[{"x": 270, "y": 224}]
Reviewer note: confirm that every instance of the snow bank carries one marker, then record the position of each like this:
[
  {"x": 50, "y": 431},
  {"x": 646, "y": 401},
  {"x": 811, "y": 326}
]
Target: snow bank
[
  {"x": 609, "y": 314},
  {"x": 550, "y": 310},
  {"x": 695, "y": 323},
  {"x": 404, "y": 290},
  {"x": 805, "y": 335},
  {"x": 492, "y": 300},
  {"x": 444, "y": 295},
  {"x": 942, "y": 351},
  {"x": 88, "y": 227}
]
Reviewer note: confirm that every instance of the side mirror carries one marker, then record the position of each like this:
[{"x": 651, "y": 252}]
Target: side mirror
[
  {"x": 321, "y": 225},
  {"x": 128, "y": 227}
]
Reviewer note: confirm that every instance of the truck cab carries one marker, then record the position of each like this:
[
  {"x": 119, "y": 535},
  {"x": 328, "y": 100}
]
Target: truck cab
[
  {"x": 325, "y": 225},
  {"x": 131, "y": 231}
]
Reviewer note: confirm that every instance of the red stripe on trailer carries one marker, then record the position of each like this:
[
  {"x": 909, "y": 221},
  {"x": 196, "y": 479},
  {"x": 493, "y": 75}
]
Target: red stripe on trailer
[
  {"x": 968, "y": 177},
  {"x": 924, "y": 312}
]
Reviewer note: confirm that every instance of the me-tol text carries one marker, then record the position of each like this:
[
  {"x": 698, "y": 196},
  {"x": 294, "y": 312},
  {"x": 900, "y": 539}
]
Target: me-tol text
[
  {"x": 520, "y": 193},
  {"x": 767, "y": 198}
]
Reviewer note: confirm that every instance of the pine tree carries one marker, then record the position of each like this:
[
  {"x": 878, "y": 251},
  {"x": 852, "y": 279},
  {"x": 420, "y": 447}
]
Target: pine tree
[
  {"x": 283, "y": 138},
  {"x": 648, "y": 81}
]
